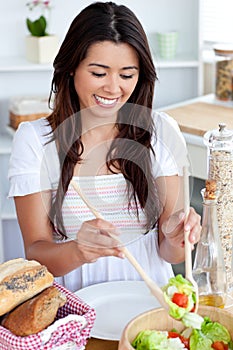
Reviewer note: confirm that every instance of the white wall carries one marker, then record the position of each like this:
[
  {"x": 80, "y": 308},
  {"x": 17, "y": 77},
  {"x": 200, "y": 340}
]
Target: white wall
[
  {"x": 13, "y": 14},
  {"x": 155, "y": 15}
]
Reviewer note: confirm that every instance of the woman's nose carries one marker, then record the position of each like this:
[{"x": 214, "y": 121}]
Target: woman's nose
[{"x": 112, "y": 84}]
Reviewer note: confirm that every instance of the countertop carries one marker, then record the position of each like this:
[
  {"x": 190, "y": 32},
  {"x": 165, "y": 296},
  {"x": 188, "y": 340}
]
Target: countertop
[
  {"x": 195, "y": 117},
  {"x": 198, "y": 117},
  {"x": 99, "y": 344}
]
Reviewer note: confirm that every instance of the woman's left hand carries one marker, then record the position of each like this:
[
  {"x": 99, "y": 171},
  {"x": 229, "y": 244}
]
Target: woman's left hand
[{"x": 173, "y": 228}]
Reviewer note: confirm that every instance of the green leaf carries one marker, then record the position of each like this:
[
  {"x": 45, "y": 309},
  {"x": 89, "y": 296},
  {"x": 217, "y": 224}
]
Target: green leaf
[
  {"x": 37, "y": 27},
  {"x": 199, "y": 341},
  {"x": 215, "y": 331}
]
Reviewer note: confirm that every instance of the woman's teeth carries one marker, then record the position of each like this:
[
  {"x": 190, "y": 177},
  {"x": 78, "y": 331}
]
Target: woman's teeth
[{"x": 105, "y": 101}]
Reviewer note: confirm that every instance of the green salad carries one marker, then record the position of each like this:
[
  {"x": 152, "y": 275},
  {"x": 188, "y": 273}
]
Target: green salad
[
  {"x": 200, "y": 333},
  {"x": 180, "y": 295},
  {"x": 211, "y": 335}
]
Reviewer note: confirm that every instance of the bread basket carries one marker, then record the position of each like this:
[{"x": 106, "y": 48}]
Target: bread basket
[
  {"x": 70, "y": 330},
  {"x": 159, "y": 319},
  {"x": 27, "y": 108}
]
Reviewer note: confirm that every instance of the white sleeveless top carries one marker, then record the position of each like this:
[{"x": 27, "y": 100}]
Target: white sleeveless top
[{"x": 34, "y": 167}]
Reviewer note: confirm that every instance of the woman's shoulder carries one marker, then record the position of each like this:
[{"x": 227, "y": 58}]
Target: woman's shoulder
[
  {"x": 37, "y": 129},
  {"x": 169, "y": 145},
  {"x": 163, "y": 120},
  {"x": 34, "y": 164},
  {"x": 166, "y": 129}
]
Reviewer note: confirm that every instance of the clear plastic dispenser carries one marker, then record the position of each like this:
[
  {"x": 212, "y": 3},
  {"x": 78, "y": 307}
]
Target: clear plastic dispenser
[
  {"x": 220, "y": 168},
  {"x": 224, "y": 72},
  {"x": 209, "y": 268}
]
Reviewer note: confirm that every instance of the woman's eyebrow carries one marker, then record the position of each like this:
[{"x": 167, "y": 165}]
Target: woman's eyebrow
[
  {"x": 107, "y": 67},
  {"x": 130, "y": 67},
  {"x": 98, "y": 65}
]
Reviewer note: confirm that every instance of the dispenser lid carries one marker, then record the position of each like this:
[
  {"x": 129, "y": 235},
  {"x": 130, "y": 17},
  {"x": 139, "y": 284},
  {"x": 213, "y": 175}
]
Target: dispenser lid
[
  {"x": 223, "y": 49},
  {"x": 219, "y": 137}
]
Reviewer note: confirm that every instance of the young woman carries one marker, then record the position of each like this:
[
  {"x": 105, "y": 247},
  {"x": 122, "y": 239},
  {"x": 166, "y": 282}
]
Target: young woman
[{"x": 125, "y": 158}]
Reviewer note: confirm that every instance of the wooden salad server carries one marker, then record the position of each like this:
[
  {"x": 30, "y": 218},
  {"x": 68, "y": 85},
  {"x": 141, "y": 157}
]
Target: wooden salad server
[{"x": 187, "y": 244}]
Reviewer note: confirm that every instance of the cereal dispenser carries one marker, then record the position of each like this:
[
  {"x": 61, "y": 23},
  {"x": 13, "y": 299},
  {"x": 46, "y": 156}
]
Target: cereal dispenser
[
  {"x": 224, "y": 73},
  {"x": 220, "y": 168}
]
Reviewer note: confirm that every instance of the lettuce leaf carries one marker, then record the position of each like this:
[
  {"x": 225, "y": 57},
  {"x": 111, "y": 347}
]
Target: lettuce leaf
[
  {"x": 181, "y": 285},
  {"x": 191, "y": 319},
  {"x": 215, "y": 331},
  {"x": 149, "y": 340},
  {"x": 198, "y": 341},
  {"x": 209, "y": 333},
  {"x": 156, "y": 340}
]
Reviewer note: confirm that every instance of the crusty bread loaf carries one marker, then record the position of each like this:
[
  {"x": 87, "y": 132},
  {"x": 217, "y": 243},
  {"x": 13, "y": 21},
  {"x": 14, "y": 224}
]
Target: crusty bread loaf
[
  {"x": 20, "y": 280},
  {"x": 35, "y": 314}
]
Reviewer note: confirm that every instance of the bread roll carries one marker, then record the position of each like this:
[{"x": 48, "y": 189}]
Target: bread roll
[
  {"x": 35, "y": 314},
  {"x": 20, "y": 280}
]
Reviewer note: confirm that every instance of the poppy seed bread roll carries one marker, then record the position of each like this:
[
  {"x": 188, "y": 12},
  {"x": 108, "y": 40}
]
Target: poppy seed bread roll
[
  {"x": 20, "y": 280},
  {"x": 35, "y": 314}
]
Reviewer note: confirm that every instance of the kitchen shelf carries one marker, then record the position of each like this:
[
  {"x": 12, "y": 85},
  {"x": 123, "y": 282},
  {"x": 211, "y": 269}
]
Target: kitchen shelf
[
  {"x": 180, "y": 61},
  {"x": 20, "y": 64}
]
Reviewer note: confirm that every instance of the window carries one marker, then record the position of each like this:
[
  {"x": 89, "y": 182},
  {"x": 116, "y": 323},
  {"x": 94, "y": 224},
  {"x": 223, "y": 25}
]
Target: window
[{"x": 218, "y": 21}]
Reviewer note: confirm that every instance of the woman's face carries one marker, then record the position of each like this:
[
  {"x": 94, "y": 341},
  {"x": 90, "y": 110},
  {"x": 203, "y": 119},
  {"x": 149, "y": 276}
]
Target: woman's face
[{"x": 106, "y": 78}]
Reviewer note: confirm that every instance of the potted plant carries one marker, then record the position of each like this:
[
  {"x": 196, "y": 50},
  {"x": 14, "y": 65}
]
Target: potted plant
[{"x": 41, "y": 47}]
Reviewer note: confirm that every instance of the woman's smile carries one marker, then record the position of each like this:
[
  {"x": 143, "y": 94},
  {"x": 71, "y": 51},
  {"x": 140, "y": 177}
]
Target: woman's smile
[{"x": 106, "y": 102}]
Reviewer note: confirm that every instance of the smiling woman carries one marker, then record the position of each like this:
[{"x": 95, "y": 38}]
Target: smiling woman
[{"x": 127, "y": 159}]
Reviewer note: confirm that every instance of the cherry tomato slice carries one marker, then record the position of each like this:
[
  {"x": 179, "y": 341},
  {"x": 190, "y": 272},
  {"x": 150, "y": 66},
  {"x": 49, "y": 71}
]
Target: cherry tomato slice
[
  {"x": 180, "y": 299},
  {"x": 184, "y": 340},
  {"x": 219, "y": 345}
]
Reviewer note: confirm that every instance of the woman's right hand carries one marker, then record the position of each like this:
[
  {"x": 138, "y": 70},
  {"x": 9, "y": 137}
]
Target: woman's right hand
[{"x": 95, "y": 239}]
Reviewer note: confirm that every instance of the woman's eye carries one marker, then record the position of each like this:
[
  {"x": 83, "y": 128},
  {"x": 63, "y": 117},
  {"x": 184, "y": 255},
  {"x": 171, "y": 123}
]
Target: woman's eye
[
  {"x": 98, "y": 75},
  {"x": 125, "y": 76}
]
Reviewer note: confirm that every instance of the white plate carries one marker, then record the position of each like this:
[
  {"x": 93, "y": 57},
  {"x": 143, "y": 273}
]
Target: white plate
[{"x": 116, "y": 303}]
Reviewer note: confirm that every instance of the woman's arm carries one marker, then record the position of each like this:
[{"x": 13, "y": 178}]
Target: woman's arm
[
  {"x": 171, "y": 221},
  {"x": 61, "y": 258}
]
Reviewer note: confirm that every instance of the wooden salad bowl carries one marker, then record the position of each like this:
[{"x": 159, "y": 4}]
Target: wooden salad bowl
[{"x": 159, "y": 319}]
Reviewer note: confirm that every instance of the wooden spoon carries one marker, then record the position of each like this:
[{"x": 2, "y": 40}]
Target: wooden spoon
[
  {"x": 187, "y": 244},
  {"x": 154, "y": 288}
]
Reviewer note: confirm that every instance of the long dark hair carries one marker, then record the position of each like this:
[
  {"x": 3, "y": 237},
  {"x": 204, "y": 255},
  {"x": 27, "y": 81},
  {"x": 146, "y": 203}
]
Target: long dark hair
[{"x": 106, "y": 21}]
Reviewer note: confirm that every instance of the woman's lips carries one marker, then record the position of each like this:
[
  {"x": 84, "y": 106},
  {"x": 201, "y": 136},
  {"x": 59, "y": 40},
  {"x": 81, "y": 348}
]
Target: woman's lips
[{"x": 106, "y": 102}]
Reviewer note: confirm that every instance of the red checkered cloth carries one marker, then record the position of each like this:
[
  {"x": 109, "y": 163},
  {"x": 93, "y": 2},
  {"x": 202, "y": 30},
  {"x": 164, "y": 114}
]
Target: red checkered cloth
[{"x": 72, "y": 332}]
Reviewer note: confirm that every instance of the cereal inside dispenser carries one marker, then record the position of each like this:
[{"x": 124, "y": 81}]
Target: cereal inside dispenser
[
  {"x": 220, "y": 168},
  {"x": 224, "y": 73}
]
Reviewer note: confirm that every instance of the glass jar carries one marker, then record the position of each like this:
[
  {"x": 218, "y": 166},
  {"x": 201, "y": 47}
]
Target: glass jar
[
  {"x": 220, "y": 168},
  {"x": 224, "y": 72},
  {"x": 209, "y": 267}
]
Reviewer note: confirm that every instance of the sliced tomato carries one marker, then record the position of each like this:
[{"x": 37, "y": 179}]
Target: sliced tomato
[
  {"x": 193, "y": 309},
  {"x": 184, "y": 340},
  {"x": 180, "y": 299},
  {"x": 219, "y": 345}
]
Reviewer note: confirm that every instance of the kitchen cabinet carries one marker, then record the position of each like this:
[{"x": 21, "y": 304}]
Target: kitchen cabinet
[
  {"x": 179, "y": 78},
  {"x": 17, "y": 77}
]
